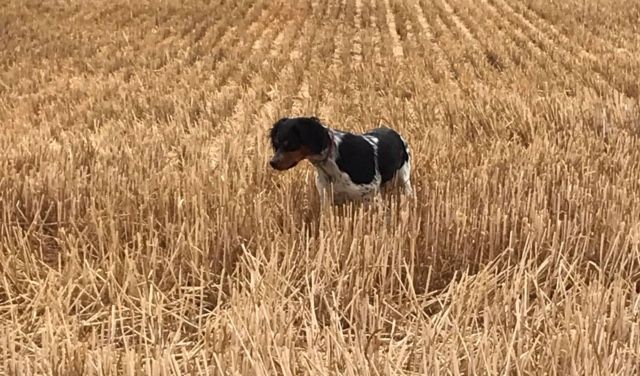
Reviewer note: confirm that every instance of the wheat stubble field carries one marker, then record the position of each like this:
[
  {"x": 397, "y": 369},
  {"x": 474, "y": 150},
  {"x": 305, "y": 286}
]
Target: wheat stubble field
[{"x": 142, "y": 231}]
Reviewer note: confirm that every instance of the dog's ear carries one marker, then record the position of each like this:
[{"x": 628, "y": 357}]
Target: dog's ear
[
  {"x": 274, "y": 130},
  {"x": 276, "y": 125},
  {"x": 313, "y": 134}
]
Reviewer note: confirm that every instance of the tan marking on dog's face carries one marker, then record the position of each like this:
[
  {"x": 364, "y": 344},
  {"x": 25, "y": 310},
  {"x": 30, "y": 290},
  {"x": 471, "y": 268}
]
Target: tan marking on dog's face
[{"x": 284, "y": 160}]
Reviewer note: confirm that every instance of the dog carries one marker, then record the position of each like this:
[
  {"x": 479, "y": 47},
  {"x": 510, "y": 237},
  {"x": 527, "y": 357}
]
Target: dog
[{"x": 349, "y": 167}]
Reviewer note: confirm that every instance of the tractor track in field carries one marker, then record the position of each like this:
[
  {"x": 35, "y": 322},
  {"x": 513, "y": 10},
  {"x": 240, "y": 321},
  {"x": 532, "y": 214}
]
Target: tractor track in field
[
  {"x": 356, "y": 49},
  {"x": 338, "y": 38},
  {"x": 398, "y": 52},
  {"x": 546, "y": 28},
  {"x": 285, "y": 56},
  {"x": 520, "y": 39},
  {"x": 442, "y": 70},
  {"x": 221, "y": 75},
  {"x": 545, "y": 56},
  {"x": 336, "y": 58},
  {"x": 411, "y": 41},
  {"x": 483, "y": 34},
  {"x": 566, "y": 56},
  {"x": 462, "y": 69},
  {"x": 602, "y": 71},
  {"x": 531, "y": 14},
  {"x": 303, "y": 95},
  {"x": 294, "y": 78},
  {"x": 323, "y": 85},
  {"x": 376, "y": 39},
  {"x": 455, "y": 32},
  {"x": 253, "y": 104},
  {"x": 279, "y": 99},
  {"x": 237, "y": 76},
  {"x": 263, "y": 78},
  {"x": 225, "y": 41},
  {"x": 390, "y": 55}
]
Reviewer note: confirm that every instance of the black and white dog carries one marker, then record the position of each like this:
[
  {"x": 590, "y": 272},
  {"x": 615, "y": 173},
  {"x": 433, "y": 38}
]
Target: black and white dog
[{"x": 349, "y": 166}]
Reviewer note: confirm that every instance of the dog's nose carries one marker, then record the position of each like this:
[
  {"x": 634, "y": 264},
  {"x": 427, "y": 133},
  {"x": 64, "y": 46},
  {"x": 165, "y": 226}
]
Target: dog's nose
[{"x": 272, "y": 163}]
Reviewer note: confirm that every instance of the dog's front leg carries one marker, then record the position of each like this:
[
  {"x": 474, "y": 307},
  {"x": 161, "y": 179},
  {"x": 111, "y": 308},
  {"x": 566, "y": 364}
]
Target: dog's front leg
[
  {"x": 323, "y": 187},
  {"x": 404, "y": 178}
]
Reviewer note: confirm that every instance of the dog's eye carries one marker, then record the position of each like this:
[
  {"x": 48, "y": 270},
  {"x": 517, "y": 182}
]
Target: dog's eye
[{"x": 290, "y": 145}]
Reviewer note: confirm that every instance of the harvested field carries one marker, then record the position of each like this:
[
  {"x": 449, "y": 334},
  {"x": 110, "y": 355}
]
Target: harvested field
[{"x": 142, "y": 231}]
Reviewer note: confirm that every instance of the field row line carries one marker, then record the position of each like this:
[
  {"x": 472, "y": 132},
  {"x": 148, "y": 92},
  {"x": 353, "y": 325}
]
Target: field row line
[
  {"x": 535, "y": 16},
  {"x": 288, "y": 73},
  {"x": 478, "y": 52},
  {"x": 336, "y": 58},
  {"x": 395, "y": 38},
  {"x": 276, "y": 57},
  {"x": 233, "y": 89},
  {"x": 303, "y": 93},
  {"x": 376, "y": 39},
  {"x": 440, "y": 58},
  {"x": 356, "y": 49},
  {"x": 222, "y": 72},
  {"x": 548, "y": 43},
  {"x": 331, "y": 32},
  {"x": 464, "y": 72},
  {"x": 602, "y": 71}
]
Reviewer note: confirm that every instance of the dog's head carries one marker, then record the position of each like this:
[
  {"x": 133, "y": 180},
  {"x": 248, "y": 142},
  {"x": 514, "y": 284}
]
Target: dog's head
[{"x": 294, "y": 139}]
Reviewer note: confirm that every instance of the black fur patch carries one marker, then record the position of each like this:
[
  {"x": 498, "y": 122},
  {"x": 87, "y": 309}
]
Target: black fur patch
[
  {"x": 392, "y": 153},
  {"x": 290, "y": 134},
  {"x": 356, "y": 158},
  {"x": 312, "y": 134}
]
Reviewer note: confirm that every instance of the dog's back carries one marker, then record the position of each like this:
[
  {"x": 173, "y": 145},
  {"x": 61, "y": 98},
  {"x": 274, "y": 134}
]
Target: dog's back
[{"x": 392, "y": 152}]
